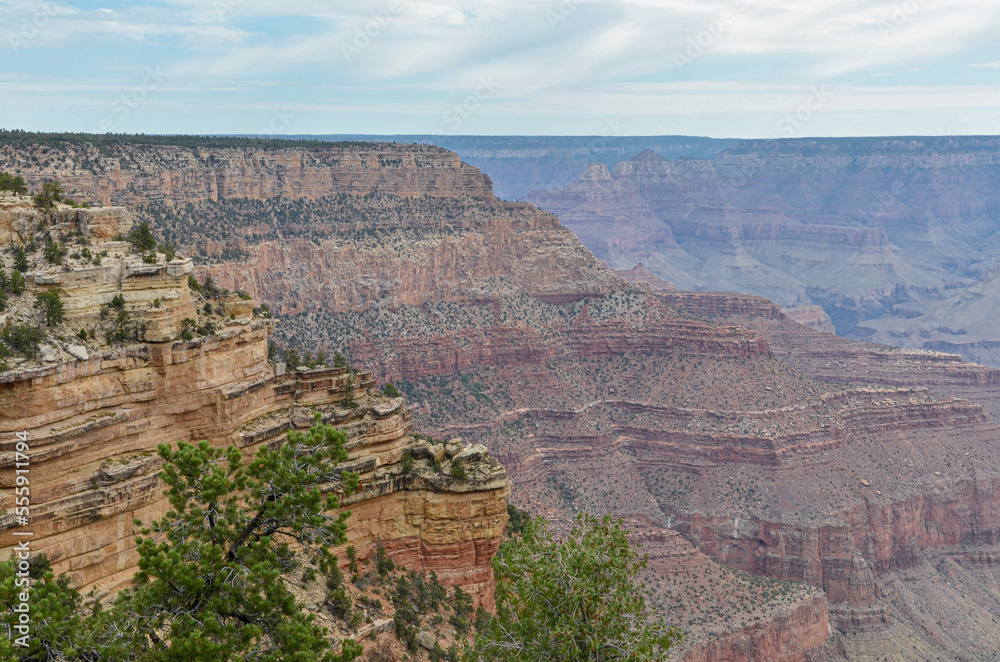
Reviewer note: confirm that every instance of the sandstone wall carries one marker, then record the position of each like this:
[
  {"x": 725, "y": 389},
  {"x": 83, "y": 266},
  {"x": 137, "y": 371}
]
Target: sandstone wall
[
  {"x": 94, "y": 426},
  {"x": 95, "y": 412}
]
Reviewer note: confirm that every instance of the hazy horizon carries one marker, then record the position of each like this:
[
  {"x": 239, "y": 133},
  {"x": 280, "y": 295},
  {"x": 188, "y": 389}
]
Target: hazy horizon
[{"x": 734, "y": 69}]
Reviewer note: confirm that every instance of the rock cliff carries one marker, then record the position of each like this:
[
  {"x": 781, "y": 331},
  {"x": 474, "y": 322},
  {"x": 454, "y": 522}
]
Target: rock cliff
[
  {"x": 128, "y": 173},
  {"x": 95, "y": 409},
  {"x": 870, "y": 229},
  {"x": 771, "y": 448}
]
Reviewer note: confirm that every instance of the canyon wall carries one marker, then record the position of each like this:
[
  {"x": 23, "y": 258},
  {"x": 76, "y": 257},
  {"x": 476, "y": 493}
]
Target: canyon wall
[
  {"x": 129, "y": 174},
  {"x": 770, "y": 448},
  {"x": 95, "y": 414},
  {"x": 879, "y": 232}
]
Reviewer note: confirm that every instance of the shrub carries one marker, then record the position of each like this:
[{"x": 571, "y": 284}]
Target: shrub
[
  {"x": 51, "y": 305},
  {"x": 125, "y": 328},
  {"x": 20, "y": 259},
  {"x": 188, "y": 326},
  {"x": 169, "y": 251},
  {"x": 516, "y": 519},
  {"x": 352, "y": 558},
  {"x": 22, "y": 339},
  {"x": 483, "y": 618},
  {"x": 50, "y": 193},
  {"x": 458, "y": 470},
  {"x": 15, "y": 184},
  {"x": 406, "y": 463},
  {"x": 17, "y": 283},
  {"x": 462, "y": 610},
  {"x": 390, "y": 390},
  {"x": 141, "y": 238},
  {"x": 383, "y": 564},
  {"x": 337, "y": 600},
  {"x": 210, "y": 289},
  {"x": 54, "y": 253},
  {"x": 193, "y": 283},
  {"x": 578, "y": 598}
]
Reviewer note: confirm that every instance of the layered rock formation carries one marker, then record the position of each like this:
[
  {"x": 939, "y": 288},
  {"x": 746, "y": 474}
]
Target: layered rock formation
[
  {"x": 128, "y": 173},
  {"x": 963, "y": 322},
  {"x": 772, "y": 448},
  {"x": 727, "y": 615},
  {"x": 640, "y": 274},
  {"x": 856, "y": 226},
  {"x": 94, "y": 421},
  {"x": 521, "y": 164}
]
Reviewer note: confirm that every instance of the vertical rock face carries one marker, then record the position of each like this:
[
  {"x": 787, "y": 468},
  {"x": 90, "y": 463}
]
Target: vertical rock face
[
  {"x": 95, "y": 418},
  {"x": 131, "y": 174}
]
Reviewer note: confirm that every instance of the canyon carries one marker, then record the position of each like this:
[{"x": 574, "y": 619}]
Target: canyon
[
  {"x": 94, "y": 411},
  {"x": 890, "y": 236},
  {"x": 801, "y": 496}
]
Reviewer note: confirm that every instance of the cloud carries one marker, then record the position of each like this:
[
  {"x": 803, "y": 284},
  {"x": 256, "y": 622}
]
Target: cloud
[{"x": 552, "y": 58}]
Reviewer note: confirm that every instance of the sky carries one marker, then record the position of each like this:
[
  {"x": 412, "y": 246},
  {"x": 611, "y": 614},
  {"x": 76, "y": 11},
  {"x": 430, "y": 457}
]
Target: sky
[{"x": 719, "y": 68}]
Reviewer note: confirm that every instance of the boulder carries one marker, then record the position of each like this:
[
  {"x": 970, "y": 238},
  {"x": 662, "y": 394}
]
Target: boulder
[
  {"x": 472, "y": 453},
  {"x": 426, "y": 640},
  {"x": 78, "y": 352},
  {"x": 453, "y": 447}
]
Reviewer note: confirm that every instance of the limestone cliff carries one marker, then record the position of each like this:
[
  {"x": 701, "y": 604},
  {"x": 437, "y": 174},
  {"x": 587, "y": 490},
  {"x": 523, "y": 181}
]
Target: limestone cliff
[
  {"x": 95, "y": 412},
  {"x": 131, "y": 173}
]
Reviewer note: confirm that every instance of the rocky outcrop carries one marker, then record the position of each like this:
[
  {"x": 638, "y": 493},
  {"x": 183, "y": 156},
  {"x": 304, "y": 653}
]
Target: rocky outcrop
[
  {"x": 94, "y": 418},
  {"x": 356, "y": 268},
  {"x": 727, "y": 614},
  {"x": 791, "y": 635},
  {"x": 640, "y": 274},
  {"x": 962, "y": 323},
  {"x": 813, "y": 317}
]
